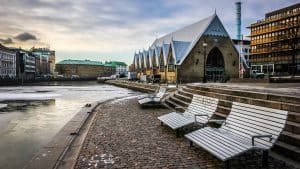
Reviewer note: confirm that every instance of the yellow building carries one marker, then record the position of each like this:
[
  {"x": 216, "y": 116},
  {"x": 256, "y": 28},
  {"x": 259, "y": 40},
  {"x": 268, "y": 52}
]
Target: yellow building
[{"x": 275, "y": 42}]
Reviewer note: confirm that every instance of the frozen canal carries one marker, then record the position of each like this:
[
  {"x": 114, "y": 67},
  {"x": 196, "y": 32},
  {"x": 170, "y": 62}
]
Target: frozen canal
[{"x": 32, "y": 115}]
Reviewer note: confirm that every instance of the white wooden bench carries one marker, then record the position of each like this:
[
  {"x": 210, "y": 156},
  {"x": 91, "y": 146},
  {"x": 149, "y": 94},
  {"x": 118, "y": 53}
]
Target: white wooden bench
[
  {"x": 153, "y": 98},
  {"x": 199, "y": 110},
  {"x": 247, "y": 127}
]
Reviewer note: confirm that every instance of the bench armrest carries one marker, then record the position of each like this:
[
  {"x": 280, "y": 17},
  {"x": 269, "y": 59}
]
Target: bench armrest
[
  {"x": 260, "y": 136},
  {"x": 200, "y": 115},
  {"x": 218, "y": 121}
]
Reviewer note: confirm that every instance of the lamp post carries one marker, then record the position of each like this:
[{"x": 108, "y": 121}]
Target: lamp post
[{"x": 204, "y": 62}]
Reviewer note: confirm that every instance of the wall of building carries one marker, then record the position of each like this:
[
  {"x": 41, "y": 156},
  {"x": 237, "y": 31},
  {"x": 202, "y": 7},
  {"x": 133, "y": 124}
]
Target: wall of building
[
  {"x": 7, "y": 64},
  {"x": 84, "y": 71},
  {"x": 192, "y": 68}
]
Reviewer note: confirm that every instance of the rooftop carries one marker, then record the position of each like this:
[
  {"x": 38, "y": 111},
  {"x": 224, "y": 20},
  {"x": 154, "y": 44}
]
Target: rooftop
[{"x": 80, "y": 62}]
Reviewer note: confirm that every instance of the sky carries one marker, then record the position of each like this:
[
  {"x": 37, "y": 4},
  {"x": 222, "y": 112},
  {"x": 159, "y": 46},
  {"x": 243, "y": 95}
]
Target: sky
[{"x": 114, "y": 29}]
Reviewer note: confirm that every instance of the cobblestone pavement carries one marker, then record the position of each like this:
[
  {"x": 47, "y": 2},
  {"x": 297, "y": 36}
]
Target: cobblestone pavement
[{"x": 123, "y": 135}]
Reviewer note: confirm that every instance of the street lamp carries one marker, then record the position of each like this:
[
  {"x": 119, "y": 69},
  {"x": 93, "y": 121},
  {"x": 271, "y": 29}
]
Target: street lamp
[{"x": 204, "y": 62}]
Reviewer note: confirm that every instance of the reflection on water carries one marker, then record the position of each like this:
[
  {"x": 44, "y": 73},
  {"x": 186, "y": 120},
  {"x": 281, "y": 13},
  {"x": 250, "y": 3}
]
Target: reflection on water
[{"x": 34, "y": 114}]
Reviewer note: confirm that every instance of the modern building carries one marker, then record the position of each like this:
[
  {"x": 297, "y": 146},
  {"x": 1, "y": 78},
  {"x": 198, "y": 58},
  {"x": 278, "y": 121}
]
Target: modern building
[
  {"x": 82, "y": 68},
  {"x": 7, "y": 62},
  {"x": 46, "y": 60},
  {"x": 198, "y": 52},
  {"x": 275, "y": 42},
  {"x": 25, "y": 64},
  {"x": 120, "y": 67}
]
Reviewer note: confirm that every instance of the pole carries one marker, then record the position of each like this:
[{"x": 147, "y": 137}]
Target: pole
[{"x": 204, "y": 65}]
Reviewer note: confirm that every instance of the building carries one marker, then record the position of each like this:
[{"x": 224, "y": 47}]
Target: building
[
  {"x": 25, "y": 64},
  {"x": 120, "y": 67},
  {"x": 243, "y": 48},
  {"x": 7, "y": 62},
  {"x": 275, "y": 42},
  {"x": 198, "y": 52},
  {"x": 46, "y": 60},
  {"x": 82, "y": 68}
]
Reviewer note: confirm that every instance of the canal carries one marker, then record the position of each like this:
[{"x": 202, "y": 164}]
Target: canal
[{"x": 32, "y": 115}]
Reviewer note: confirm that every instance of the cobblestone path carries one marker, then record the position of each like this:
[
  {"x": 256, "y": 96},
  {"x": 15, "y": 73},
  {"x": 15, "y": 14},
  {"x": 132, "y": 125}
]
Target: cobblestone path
[{"x": 123, "y": 135}]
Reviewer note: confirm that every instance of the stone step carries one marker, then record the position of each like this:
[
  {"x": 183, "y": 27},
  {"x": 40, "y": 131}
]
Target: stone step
[
  {"x": 182, "y": 97},
  {"x": 251, "y": 94},
  {"x": 185, "y": 93},
  {"x": 173, "y": 104},
  {"x": 248, "y": 100},
  {"x": 287, "y": 150},
  {"x": 294, "y": 116},
  {"x": 290, "y": 138},
  {"x": 179, "y": 102},
  {"x": 292, "y": 127},
  {"x": 224, "y": 110}
]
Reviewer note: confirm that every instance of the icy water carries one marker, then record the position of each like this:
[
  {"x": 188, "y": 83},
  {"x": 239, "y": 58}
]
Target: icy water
[{"x": 32, "y": 115}]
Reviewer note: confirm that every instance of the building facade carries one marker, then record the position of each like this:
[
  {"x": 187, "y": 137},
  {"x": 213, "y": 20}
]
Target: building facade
[
  {"x": 198, "y": 52},
  {"x": 120, "y": 67},
  {"x": 25, "y": 64},
  {"x": 46, "y": 60},
  {"x": 275, "y": 42},
  {"x": 7, "y": 63},
  {"x": 82, "y": 68}
]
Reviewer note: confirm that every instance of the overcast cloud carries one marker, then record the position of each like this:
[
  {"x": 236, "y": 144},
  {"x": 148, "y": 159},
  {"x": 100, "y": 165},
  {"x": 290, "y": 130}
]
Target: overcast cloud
[{"x": 113, "y": 29}]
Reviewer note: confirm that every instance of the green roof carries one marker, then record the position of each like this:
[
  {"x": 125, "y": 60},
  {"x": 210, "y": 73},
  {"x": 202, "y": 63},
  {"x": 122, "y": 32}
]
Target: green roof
[
  {"x": 114, "y": 64},
  {"x": 79, "y": 62}
]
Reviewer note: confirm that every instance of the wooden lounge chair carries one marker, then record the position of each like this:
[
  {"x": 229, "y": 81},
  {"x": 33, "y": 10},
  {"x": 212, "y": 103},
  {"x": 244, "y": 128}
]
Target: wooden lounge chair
[
  {"x": 199, "y": 110},
  {"x": 247, "y": 127},
  {"x": 154, "y": 98}
]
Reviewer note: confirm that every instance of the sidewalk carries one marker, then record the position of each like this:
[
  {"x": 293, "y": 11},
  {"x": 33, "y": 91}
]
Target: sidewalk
[{"x": 125, "y": 136}]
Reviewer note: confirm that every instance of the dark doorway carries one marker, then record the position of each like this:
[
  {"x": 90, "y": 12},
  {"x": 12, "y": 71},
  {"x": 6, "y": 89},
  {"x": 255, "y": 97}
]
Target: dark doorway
[{"x": 215, "y": 66}]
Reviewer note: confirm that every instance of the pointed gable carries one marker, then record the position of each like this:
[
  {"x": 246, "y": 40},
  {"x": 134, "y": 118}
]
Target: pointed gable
[
  {"x": 151, "y": 53},
  {"x": 157, "y": 54},
  {"x": 216, "y": 28},
  {"x": 179, "y": 49},
  {"x": 165, "y": 51}
]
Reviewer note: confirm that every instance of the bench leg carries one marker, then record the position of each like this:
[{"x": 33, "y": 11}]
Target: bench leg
[
  {"x": 161, "y": 123},
  {"x": 191, "y": 144},
  {"x": 227, "y": 166},
  {"x": 177, "y": 133},
  {"x": 265, "y": 158}
]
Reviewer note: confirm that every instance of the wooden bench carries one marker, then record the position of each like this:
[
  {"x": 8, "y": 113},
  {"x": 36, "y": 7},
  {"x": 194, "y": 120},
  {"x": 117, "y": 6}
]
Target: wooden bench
[
  {"x": 153, "y": 98},
  {"x": 199, "y": 110},
  {"x": 247, "y": 127}
]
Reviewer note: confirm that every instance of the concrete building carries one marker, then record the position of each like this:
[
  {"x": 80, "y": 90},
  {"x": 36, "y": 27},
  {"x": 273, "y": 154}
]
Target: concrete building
[
  {"x": 7, "y": 62},
  {"x": 25, "y": 64},
  {"x": 198, "y": 52},
  {"x": 82, "y": 68},
  {"x": 275, "y": 42},
  {"x": 46, "y": 58}
]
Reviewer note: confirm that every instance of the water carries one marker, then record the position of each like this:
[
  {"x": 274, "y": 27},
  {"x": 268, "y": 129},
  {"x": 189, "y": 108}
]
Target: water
[{"x": 34, "y": 114}]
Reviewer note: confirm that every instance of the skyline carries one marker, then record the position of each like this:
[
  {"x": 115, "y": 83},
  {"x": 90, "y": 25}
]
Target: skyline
[{"x": 106, "y": 30}]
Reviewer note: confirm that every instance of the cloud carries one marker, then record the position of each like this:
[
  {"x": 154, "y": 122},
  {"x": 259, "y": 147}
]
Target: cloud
[
  {"x": 25, "y": 37},
  {"x": 7, "y": 41}
]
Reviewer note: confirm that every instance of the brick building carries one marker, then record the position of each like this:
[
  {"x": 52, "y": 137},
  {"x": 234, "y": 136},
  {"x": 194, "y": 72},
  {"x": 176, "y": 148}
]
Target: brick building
[
  {"x": 45, "y": 62},
  {"x": 82, "y": 68},
  {"x": 275, "y": 42},
  {"x": 184, "y": 55}
]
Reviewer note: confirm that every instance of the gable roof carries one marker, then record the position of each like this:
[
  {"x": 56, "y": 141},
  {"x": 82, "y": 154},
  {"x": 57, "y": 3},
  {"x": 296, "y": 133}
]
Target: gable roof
[
  {"x": 165, "y": 51},
  {"x": 179, "y": 49},
  {"x": 186, "y": 38}
]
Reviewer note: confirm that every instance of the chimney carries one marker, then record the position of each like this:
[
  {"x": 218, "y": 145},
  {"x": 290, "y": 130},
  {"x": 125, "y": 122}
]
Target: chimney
[{"x": 238, "y": 19}]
